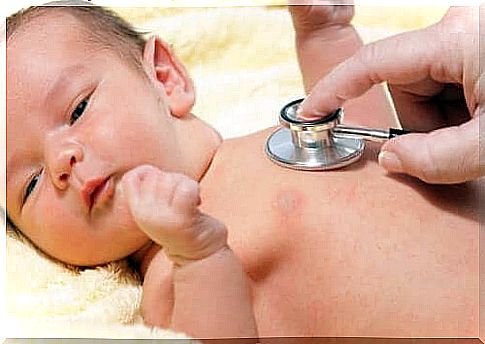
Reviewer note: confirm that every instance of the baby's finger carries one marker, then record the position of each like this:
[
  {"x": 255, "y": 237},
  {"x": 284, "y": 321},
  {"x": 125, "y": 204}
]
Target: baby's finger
[
  {"x": 134, "y": 183},
  {"x": 186, "y": 196},
  {"x": 148, "y": 182},
  {"x": 130, "y": 186}
]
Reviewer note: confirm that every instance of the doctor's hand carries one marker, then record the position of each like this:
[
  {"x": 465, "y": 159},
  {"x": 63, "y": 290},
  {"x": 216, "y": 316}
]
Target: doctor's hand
[{"x": 433, "y": 75}]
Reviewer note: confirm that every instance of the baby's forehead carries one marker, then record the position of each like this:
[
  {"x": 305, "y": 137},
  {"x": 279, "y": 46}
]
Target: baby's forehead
[
  {"x": 45, "y": 29},
  {"x": 52, "y": 38},
  {"x": 41, "y": 54}
]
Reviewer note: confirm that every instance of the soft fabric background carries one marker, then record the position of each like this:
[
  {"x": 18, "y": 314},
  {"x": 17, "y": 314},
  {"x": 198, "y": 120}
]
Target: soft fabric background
[
  {"x": 243, "y": 59},
  {"x": 243, "y": 63}
]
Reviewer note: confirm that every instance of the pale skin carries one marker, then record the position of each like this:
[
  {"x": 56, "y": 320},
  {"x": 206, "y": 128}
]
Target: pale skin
[{"x": 354, "y": 252}]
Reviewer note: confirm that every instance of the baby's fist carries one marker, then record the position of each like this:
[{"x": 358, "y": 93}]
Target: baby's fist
[
  {"x": 164, "y": 205},
  {"x": 310, "y": 16}
]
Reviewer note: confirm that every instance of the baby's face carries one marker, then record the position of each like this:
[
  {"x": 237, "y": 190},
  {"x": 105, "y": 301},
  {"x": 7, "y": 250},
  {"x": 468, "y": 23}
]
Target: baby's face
[{"x": 77, "y": 120}]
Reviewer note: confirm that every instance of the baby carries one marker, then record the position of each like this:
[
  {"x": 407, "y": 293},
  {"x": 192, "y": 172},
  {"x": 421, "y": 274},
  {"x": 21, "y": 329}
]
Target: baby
[{"x": 105, "y": 161}]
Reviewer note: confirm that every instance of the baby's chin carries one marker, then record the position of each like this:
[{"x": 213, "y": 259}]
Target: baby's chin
[
  {"x": 122, "y": 237},
  {"x": 104, "y": 253}
]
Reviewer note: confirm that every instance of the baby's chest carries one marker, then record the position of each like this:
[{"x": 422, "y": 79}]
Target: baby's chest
[
  {"x": 321, "y": 272},
  {"x": 272, "y": 228}
]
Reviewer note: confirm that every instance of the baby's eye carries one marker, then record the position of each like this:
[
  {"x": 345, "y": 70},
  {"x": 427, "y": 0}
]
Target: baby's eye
[
  {"x": 31, "y": 186},
  {"x": 79, "y": 110}
]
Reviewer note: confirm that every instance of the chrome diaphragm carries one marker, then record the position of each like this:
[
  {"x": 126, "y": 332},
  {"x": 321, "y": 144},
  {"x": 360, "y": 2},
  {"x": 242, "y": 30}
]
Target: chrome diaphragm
[{"x": 322, "y": 144}]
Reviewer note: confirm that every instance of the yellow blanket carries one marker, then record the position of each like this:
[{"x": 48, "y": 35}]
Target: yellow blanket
[{"x": 244, "y": 67}]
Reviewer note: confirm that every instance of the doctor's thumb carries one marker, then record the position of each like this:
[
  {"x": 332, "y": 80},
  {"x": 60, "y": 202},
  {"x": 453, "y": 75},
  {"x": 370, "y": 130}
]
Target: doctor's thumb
[{"x": 445, "y": 156}]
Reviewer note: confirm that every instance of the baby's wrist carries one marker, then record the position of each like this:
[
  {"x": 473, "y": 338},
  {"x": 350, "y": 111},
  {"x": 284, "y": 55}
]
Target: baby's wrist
[
  {"x": 181, "y": 261},
  {"x": 326, "y": 32},
  {"x": 199, "y": 237}
]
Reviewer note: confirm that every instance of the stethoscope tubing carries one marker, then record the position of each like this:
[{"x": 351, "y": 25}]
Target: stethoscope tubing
[
  {"x": 332, "y": 123},
  {"x": 368, "y": 134}
]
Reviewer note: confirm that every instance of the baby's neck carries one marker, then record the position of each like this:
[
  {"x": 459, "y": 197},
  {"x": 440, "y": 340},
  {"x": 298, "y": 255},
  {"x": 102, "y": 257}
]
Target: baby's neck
[{"x": 199, "y": 143}]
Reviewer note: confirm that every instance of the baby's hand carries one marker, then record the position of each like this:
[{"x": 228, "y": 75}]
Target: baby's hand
[
  {"x": 310, "y": 15},
  {"x": 164, "y": 205}
]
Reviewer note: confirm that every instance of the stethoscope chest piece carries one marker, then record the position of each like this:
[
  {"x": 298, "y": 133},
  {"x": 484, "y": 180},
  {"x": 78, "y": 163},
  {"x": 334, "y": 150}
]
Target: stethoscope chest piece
[
  {"x": 342, "y": 152},
  {"x": 311, "y": 145}
]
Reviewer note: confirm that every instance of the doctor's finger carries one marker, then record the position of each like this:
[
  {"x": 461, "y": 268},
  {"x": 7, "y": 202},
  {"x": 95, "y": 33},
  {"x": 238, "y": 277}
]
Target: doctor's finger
[
  {"x": 445, "y": 156},
  {"x": 402, "y": 59}
]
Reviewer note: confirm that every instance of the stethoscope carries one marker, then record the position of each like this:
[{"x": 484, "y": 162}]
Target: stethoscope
[{"x": 322, "y": 144}]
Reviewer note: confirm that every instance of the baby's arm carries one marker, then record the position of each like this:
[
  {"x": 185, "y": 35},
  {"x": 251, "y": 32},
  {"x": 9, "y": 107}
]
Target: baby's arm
[
  {"x": 325, "y": 38},
  {"x": 211, "y": 294}
]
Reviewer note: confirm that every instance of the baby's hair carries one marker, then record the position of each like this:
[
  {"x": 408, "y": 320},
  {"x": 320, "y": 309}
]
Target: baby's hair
[{"x": 106, "y": 29}]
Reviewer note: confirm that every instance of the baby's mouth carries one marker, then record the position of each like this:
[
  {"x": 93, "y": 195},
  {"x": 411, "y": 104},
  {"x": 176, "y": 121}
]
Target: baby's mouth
[{"x": 97, "y": 192}]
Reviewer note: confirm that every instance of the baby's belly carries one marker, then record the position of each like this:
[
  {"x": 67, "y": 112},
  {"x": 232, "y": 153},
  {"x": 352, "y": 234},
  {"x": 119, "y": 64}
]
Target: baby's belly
[{"x": 369, "y": 289}]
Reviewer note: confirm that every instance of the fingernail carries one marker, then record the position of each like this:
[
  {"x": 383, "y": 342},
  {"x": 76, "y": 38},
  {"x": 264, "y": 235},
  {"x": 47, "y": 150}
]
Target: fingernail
[
  {"x": 308, "y": 116},
  {"x": 390, "y": 161}
]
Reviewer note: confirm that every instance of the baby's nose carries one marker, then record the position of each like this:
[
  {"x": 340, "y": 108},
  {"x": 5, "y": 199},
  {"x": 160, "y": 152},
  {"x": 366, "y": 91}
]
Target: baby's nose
[{"x": 61, "y": 161}]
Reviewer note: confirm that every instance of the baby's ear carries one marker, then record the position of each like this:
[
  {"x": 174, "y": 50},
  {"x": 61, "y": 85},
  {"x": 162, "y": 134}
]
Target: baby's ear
[{"x": 165, "y": 69}]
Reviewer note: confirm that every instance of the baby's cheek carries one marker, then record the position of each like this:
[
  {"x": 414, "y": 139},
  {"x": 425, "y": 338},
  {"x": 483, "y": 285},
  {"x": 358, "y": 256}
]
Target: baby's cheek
[
  {"x": 50, "y": 228},
  {"x": 59, "y": 225}
]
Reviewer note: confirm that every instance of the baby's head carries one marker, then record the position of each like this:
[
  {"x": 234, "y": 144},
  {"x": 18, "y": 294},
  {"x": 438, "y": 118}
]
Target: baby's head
[{"x": 87, "y": 100}]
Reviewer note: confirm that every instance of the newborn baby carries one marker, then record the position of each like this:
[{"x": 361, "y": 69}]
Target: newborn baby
[{"x": 105, "y": 161}]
